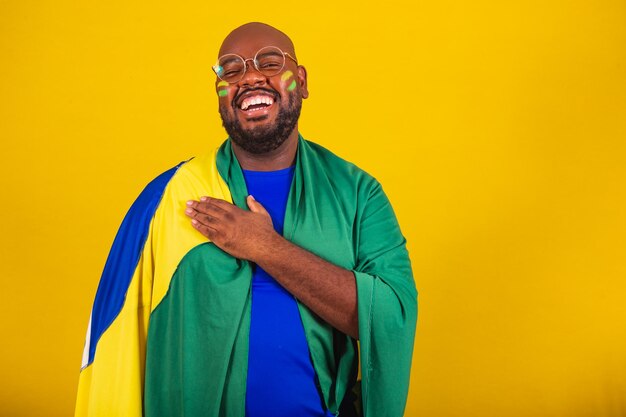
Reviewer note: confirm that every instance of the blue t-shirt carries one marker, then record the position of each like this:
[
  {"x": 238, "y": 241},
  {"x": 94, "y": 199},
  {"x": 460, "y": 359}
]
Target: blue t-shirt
[{"x": 281, "y": 378}]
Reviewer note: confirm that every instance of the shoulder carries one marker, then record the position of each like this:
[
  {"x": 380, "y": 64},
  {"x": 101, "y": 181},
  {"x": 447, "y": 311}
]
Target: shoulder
[
  {"x": 155, "y": 188},
  {"x": 342, "y": 173}
]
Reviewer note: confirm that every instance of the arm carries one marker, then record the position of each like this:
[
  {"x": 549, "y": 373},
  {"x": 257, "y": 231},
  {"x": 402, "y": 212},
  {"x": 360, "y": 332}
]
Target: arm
[
  {"x": 387, "y": 307},
  {"x": 328, "y": 290}
]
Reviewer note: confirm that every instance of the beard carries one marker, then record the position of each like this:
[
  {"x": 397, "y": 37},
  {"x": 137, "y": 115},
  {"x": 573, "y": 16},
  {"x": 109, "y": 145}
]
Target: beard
[{"x": 263, "y": 139}]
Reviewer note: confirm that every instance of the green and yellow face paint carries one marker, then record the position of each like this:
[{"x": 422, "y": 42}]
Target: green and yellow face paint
[
  {"x": 288, "y": 75},
  {"x": 222, "y": 88}
]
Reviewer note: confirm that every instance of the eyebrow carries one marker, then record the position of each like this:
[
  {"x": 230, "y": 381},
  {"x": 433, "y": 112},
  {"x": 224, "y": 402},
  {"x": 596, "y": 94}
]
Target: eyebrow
[
  {"x": 229, "y": 60},
  {"x": 268, "y": 53}
]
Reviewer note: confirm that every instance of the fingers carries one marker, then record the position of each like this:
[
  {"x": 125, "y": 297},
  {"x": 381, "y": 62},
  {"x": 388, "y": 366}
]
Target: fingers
[
  {"x": 255, "y": 206},
  {"x": 200, "y": 217},
  {"x": 206, "y": 230},
  {"x": 217, "y": 203},
  {"x": 204, "y": 215},
  {"x": 207, "y": 206},
  {"x": 215, "y": 213}
]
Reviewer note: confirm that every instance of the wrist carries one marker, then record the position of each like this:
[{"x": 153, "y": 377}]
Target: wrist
[{"x": 270, "y": 247}]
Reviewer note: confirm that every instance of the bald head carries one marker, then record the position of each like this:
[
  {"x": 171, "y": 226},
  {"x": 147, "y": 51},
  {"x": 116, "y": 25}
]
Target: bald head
[{"x": 247, "y": 39}]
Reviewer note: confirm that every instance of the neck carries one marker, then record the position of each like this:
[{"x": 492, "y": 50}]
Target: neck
[{"x": 280, "y": 158}]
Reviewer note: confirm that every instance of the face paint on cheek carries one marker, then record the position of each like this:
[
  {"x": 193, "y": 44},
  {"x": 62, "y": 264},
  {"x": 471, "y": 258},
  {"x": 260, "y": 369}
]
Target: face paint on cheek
[
  {"x": 222, "y": 89},
  {"x": 286, "y": 77}
]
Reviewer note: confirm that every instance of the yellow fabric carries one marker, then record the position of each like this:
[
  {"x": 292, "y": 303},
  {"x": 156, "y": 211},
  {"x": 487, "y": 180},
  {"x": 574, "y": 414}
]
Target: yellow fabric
[
  {"x": 113, "y": 384},
  {"x": 199, "y": 177}
]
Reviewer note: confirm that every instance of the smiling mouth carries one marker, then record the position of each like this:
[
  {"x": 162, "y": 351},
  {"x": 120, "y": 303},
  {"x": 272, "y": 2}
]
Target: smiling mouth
[{"x": 256, "y": 103}]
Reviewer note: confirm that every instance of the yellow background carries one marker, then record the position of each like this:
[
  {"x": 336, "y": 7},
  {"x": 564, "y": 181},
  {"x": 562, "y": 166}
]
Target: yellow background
[{"x": 497, "y": 129}]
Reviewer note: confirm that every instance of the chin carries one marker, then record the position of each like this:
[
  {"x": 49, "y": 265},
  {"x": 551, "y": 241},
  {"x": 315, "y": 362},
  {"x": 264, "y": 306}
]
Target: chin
[{"x": 265, "y": 133}]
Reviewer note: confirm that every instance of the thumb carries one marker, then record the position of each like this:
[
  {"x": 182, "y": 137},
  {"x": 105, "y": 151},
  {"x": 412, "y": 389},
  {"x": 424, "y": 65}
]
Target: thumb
[{"x": 255, "y": 206}]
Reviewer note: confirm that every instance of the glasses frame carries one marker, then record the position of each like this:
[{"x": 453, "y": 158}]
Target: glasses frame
[{"x": 254, "y": 61}]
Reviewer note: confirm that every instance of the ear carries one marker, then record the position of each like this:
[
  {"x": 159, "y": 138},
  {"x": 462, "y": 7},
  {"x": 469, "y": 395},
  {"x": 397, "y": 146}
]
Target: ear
[{"x": 304, "y": 91}]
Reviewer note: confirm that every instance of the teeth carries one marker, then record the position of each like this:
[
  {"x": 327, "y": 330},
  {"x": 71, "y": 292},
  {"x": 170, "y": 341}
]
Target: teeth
[{"x": 251, "y": 101}]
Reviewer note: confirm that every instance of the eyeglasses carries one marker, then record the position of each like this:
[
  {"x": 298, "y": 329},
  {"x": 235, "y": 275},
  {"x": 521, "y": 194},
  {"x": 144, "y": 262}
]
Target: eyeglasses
[{"x": 269, "y": 61}]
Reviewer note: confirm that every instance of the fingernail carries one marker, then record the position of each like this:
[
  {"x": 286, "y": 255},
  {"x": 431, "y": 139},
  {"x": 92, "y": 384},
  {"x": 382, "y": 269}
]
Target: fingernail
[
  {"x": 194, "y": 221},
  {"x": 188, "y": 211},
  {"x": 202, "y": 198},
  {"x": 189, "y": 203},
  {"x": 252, "y": 197}
]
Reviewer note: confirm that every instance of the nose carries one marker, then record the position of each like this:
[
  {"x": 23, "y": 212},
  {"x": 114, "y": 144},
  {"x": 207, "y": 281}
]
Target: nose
[{"x": 252, "y": 77}]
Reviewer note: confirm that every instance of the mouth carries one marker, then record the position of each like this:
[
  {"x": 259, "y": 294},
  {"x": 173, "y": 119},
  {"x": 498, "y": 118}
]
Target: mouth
[{"x": 255, "y": 103}]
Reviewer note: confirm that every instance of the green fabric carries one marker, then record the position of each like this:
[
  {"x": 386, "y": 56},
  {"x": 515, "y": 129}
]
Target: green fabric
[{"x": 197, "y": 350}]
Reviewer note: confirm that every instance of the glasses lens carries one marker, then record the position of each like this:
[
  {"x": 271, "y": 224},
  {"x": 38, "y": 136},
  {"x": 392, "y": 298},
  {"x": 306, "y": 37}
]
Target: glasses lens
[
  {"x": 230, "y": 68},
  {"x": 269, "y": 60}
]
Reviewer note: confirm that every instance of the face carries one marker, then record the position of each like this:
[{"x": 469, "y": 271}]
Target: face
[{"x": 258, "y": 112}]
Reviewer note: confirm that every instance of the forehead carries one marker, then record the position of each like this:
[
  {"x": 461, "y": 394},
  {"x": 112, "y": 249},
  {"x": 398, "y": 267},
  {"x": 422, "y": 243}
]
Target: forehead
[{"x": 247, "y": 42}]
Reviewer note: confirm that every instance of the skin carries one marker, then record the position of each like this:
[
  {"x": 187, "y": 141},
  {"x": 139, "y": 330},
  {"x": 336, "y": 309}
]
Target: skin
[
  {"x": 327, "y": 289},
  {"x": 245, "y": 41}
]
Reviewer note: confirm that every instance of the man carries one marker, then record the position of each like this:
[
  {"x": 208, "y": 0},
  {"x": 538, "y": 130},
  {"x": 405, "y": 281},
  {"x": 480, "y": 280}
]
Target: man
[{"x": 217, "y": 303}]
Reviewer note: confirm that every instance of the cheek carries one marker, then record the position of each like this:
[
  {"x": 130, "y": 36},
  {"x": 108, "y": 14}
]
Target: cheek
[{"x": 288, "y": 80}]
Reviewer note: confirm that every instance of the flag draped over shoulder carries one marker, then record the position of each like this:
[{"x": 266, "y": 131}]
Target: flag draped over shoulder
[{"x": 168, "y": 332}]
